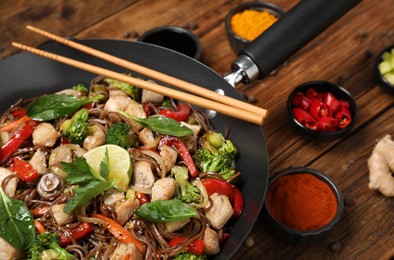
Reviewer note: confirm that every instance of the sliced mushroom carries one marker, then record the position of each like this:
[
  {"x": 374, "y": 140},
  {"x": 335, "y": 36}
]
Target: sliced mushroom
[{"x": 50, "y": 186}]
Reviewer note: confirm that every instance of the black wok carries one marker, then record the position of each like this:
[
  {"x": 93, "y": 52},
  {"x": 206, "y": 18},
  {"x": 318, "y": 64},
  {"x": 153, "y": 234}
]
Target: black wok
[{"x": 26, "y": 75}]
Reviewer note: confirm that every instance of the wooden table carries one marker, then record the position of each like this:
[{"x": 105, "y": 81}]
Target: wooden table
[{"x": 344, "y": 53}]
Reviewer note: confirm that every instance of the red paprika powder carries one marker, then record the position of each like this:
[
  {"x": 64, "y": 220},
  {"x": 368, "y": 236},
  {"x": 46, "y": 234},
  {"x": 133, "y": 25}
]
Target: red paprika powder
[{"x": 301, "y": 201}]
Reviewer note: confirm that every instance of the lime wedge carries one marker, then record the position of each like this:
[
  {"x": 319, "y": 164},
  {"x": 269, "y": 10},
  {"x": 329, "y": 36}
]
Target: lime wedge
[{"x": 120, "y": 166}]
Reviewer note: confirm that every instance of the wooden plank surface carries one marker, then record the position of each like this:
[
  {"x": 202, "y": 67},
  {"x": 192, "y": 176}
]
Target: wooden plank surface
[{"x": 344, "y": 53}]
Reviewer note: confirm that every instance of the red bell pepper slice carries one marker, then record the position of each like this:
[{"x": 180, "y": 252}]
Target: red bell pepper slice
[
  {"x": 238, "y": 202},
  {"x": 18, "y": 112},
  {"x": 331, "y": 102},
  {"x": 313, "y": 94},
  {"x": 141, "y": 197},
  {"x": 79, "y": 232},
  {"x": 23, "y": 169},
  {"x": 300, "y": 100},
  {"x": 196, "y": 247},
  {"x": 17, "y": 139},
  {"x": 183, "y": 151},
  {"x": 343, "y": 118},
  {"x": 181, "y": 115},
  {"x": 318, "y": 109},
  {"x": 305, "y": 118},
  {"x": 220, "y": 187},
  {"x": 40, "y": 211},
  {"x": 8, "y": 127},
  {"x": 327, "y": 124}
]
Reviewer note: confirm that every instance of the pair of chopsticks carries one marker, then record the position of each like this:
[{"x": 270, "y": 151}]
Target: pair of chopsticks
[{"x": 213, "y": 101}]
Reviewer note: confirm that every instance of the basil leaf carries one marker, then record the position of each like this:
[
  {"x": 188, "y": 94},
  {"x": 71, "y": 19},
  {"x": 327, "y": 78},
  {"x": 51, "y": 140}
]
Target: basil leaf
[
  {"x": 166, "y": 210},
  {"x": 162, "y": 125},
  {"x": 54, "y": 106},
  {"x": 86, "y": 193},
  {"x": 16, "y": 222}
]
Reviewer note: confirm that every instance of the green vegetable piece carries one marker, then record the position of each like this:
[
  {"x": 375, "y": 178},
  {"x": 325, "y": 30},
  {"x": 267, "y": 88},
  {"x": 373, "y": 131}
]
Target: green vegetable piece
[
  {"x": 133, "y": 91},
  {"x": 120, "y": 134},
  {"x": 81, "y": 88},
  {"x": 46, "y": 245},
  {"x": 184, "y": 255},
  {"x": 159, "y": 211},
  {"x": 184, "y": 190},
  {"x": 16, "y": 222},
  {"x": 76, "y": 129},
  {"x": 162, "y": 125},
  {"x": 54, "y": 106}
]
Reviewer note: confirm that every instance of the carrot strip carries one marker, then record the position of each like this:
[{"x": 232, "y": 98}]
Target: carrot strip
[
  {"x": 120, "y": 232},
  {"x": 14, "y": 124},
  {"x": 39, "y": 226}
]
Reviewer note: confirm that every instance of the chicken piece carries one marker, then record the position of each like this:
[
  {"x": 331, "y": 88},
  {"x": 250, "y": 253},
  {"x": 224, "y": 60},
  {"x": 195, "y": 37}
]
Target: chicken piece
[
  {"x": 4, "y": 137},
  {"x": 97, "y": 138},
  {"x": 70, "y": 92},
  {"x": 148, "y": 139},
  {"x": 45, "y": 135},
  {"x": 163, "y": 189},
  {"x": 112, "y": 197},
  {"x": 151, "y": 97},
  {"x": 169, "y": 156},
  {"x": 60, "y": 217},
  {"x": 172, "y": 226},
  {"x": 211, "y": 242},
  {"x": 125, "y": 210},
  {"x": 220, "y": 211},
  {"x": 123, "y": 250},
  {"x": 39, "y": 162},
  {"x": 118, "y": 100},
  {"x": 191, "y": 141},
  {"x": 9, "y": 252},
  {"x": 135, "y": 109},
  {"x": 10, "y": 188},
  {"x": 143, "y": 175}
]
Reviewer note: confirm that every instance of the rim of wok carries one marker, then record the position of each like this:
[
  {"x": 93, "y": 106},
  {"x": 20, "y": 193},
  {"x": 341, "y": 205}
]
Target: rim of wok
[{"x": 26, "y": 75}]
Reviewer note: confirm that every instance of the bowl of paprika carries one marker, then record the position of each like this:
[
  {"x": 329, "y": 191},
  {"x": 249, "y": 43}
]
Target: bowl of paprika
[
  {"x": 322, "y": 110},
  {"x": 302, "y": 206},
  {"x": 246, "y": 21}
]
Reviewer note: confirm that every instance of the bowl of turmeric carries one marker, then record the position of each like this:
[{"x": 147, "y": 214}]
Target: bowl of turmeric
[
  {"x": 246, "y": 21},
  {"x": 302, "y": 206}
]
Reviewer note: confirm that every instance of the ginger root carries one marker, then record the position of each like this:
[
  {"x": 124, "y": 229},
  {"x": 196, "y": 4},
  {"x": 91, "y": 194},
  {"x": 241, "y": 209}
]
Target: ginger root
[{"x": 381, "y": 167}]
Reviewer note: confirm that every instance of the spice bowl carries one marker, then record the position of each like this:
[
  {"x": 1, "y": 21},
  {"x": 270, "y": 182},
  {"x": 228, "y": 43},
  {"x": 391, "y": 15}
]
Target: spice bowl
[
  {"x": 302, "y": 206},
  {"x": 175, "y": 38},
  {"x": 322, "y": 110},
  {"x": 255, "y": 18},
  {"x": 384, "y": 69}
]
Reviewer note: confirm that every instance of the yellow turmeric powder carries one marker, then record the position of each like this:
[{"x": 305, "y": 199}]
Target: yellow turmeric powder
[{"x": 249, "y": 24}]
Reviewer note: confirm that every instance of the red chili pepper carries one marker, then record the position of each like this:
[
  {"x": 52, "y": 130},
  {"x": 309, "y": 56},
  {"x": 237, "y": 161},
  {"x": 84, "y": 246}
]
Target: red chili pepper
[
  {"x": 142, "y": 198},
  {"x": 305, "y": 118},
  {"x": 318, "y": 109},
  {"x": 343, "y": 105},
  {"x": 300, "y": 100},
  {"x": 343, "y": 118},
  {"x": 220, "y": 187},
  {"x": 147, "y": 109},
  {"x": 331, "y": 102},
  {"x": 313, "y": 94},
  {"x": 238, "y": 202},
  {"x": 17, "y": 139},
  {"x": 183, "y": 151},
  {"x": 181, "y": 115},
  {"x": 23, "y": 169},
  {"x": 19, "y": 112},
  {"x": 78, "y": 233},
  {"x": 196, "y": 247},
  {"x": 327, "y": 124}
]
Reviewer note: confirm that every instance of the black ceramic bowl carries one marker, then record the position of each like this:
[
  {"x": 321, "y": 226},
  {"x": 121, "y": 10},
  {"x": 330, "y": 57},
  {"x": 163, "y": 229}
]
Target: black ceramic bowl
[
  {"x": 175, "y": 38},
  {"x": 237, "y": 43},
  {"x": 323, "y": 86},
  {"x": 296, "y": 237},
  {"x": 382, "y": 80}
]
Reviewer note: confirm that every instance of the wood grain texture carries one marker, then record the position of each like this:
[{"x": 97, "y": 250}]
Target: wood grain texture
[{"x": 344, "y": 53}]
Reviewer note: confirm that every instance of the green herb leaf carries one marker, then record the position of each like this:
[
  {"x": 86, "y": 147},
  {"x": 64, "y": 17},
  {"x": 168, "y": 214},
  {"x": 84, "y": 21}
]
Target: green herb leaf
[
  {"x": 54, "y": 106},
  {"x": 16, "y": 222},
  {"x": 166, "y": 210},
  {"x": 162, "y": 125},
  {"x": 78, "y": 172}
]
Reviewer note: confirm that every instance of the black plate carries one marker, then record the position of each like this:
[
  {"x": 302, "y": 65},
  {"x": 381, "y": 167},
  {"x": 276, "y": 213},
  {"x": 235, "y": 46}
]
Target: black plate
[{"x": 26, "y": 75}]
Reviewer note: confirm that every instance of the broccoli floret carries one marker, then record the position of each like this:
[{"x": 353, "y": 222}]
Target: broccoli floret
[
  {"x": 81, "y": 88},
  {"x": 76, "y": 129},
  {"x": 133, "y": 91},
  {"x": 184, "y": 190},
  {"x": 119, "y": 134},
  {"x": 46, "y": 244},
  {"x": 189, "y": 256},
  {"x": 216, "y": 155}
]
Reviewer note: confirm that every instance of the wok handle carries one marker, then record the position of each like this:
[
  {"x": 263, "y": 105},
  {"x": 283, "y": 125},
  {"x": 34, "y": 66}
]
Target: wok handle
[{"x": 291, "y": 32}]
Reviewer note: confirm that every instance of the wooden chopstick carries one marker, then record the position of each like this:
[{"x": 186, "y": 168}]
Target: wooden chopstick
[
  {"x": 196, "y": 100},
  {"x": 190, "y": 87}
]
